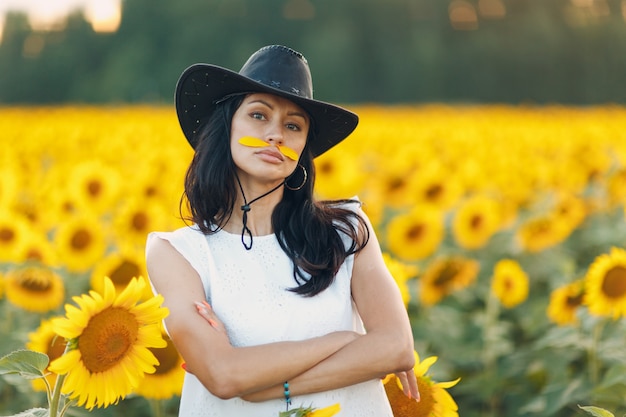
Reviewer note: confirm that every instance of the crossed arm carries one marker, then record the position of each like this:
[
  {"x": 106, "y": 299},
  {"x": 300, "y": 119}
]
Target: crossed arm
[{"x": 256, "y": 373}]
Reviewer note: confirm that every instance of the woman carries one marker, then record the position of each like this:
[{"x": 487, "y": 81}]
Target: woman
[{"x": 269, "y": 290}]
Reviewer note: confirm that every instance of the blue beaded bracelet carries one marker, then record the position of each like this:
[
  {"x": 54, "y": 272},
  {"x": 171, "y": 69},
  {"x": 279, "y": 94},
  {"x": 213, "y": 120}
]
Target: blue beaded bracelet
[{"x": 287, "y": 394}]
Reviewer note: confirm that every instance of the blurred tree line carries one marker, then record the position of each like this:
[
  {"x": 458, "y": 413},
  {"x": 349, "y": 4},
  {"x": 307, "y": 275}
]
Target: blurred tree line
[{"x": 511, "y": 51}]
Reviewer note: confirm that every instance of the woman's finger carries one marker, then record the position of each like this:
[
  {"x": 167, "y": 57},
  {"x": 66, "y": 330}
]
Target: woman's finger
[
  {"x": 207, "y": 313},
  {"x": 405, "y": 383},
  {"x": 412, "y": 383}
]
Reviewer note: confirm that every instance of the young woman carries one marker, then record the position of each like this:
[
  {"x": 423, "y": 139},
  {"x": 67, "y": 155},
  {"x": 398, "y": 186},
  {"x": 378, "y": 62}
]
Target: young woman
[{"x": 276, "y": 300}]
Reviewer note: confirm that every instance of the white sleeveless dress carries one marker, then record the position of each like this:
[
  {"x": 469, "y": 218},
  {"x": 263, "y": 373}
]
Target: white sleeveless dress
[{"x": 248, "y": 291}]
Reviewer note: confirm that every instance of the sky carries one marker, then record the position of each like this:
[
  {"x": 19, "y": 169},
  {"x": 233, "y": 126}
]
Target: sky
[{"x": 104, "y": 15}]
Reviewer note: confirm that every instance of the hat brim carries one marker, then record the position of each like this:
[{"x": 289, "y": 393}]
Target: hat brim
[{"x": 201, "y": 85}]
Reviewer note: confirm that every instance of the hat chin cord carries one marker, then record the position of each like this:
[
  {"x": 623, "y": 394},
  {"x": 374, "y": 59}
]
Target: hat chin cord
[{"x": 246, "y": 208}]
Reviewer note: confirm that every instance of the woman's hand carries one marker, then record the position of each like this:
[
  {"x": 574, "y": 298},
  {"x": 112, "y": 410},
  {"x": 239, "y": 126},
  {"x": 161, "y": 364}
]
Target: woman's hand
[{"x": 207, "y": 313}]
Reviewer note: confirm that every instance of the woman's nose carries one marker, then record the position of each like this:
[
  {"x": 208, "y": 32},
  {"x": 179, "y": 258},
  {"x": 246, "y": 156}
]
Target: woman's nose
[{"x": 274, "y": 136}]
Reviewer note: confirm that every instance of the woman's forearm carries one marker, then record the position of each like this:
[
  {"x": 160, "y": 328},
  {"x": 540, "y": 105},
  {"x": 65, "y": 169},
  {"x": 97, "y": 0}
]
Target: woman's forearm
[
  {"x": 244, "y": 370},
  {"x": 369, "y": 357}
]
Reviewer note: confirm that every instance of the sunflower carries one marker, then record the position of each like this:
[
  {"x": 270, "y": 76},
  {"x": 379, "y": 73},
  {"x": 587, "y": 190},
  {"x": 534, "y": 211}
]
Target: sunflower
[
  {"x": 94, "y": 185},
  {"x": 56, "y": 201},
  {"x": 338, "y": 174},
  {"x": 434, "y": 401},
  {"x": 80, "y": 242},
  {"x": 135, "y": 219},
  {"x": 605, "y": 284},
  {"x": 34, "y": 288},
  {"x": 541, "y": 233},
  {"x": 110, "y": 337},
  {"x": 167, "y": 380},
  {"x": 45, "y": 340},
  {"x": 9, "y": 184},
  {"x": 436, "y": 187},
  {"x": 416, "y": 234},
  {"x": 329, "y": 411},
  {"x": 564, "y": 302},
  {"x": 569, "y": 210},
  {"x": 616, "y": 187},
  {"x": 446, "y": 275},
  {"x": 475, "y": 221},
  {"x": 120, "y": 267},
  {"x": 14, "y": 230},
  {"x": 509, "y": 283},
  {"x": 37, "y": 248},
  {"x": 396, "y": 182},
  {"x": 401, "y": 273}
]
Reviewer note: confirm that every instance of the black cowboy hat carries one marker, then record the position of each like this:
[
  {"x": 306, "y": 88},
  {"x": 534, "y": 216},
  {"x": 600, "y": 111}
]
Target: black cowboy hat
[{"x": 273, "y": 69}]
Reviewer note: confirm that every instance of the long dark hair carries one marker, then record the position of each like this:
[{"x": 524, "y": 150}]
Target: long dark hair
[{"x": 310, "y": 232}]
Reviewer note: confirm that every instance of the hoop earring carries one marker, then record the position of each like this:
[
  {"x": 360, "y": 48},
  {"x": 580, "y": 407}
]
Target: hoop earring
[{"x": 304, "y": 175}]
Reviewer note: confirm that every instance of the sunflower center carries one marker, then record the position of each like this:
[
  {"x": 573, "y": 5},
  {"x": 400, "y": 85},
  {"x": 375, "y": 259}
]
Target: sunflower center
[
  {"x": 402, "y": 406},
  {"x": 396, "y": 184},
  {"x": 508, "y": 283},
  {"x": 35, "y": 281},
  {"x": 427, "y": 401},
  {"x": 167, "y": 357},
  {"x": 415, "y": 232},
  {"x": 94, "y": 188},
  {"x": 108, "y": 338},
  {"x": 476, "y": 222},
  {"x": 447, "y": 274},
  {"x": 81, "y": 240},
  {"x": 124, "y": 272},
  {"x": 326, "y": 168},
  {"x": 34, "y": 254},
  {"x": 6, "y": 235},
  {"x": 56, "y": 347},
  {"x": 150, "y": 191},
  {"x": 574, "y": 301},
  {"x": 140, "y": 221},
  {"x": 614, "y": 283},
  {"x": 434, "y": 191}
]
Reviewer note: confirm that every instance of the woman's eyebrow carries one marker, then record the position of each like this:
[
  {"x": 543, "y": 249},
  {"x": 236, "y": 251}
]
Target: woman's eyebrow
[{"x": 291, "y": 113}]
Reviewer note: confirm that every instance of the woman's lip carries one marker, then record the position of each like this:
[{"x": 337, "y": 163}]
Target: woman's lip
[{"x": 273, "y": 153}]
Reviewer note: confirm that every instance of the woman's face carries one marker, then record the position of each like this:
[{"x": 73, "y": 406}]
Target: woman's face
[{"x": 275, "y": 120}]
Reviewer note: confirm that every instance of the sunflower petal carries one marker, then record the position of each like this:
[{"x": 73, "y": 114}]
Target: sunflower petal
[{"x": 253, "y": 142}]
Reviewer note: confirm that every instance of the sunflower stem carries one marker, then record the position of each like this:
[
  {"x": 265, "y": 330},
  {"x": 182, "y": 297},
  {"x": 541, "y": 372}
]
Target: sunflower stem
[
  {"x": 56, "y": 396},
  {"x": 157, "y": 408},
  {"x": 592, "y": 356},
  {"x": 56, "y": 393},
  {"x": 492, "y": 311}
]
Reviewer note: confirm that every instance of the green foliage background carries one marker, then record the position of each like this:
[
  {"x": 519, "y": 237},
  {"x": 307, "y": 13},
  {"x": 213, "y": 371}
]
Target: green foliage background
[{"x": 541, "y": 51}]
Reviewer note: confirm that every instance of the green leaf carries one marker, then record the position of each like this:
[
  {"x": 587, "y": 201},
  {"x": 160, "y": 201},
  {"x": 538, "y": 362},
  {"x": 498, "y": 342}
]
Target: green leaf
[
  {"x": 597, "y": 411},
  {"x": 33, "y": 412},
  {"x": 27, "y": 363},
  {"x": 296, "y": 412}
]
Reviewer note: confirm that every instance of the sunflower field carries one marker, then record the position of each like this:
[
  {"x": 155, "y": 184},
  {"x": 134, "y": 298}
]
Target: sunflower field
[{"x": 504, "y": 226}]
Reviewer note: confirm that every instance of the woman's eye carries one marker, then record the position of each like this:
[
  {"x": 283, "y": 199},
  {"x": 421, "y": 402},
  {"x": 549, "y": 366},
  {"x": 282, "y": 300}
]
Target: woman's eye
[
  {"x": 257, "y": 115},
  {"x": 294, "y": 127}
]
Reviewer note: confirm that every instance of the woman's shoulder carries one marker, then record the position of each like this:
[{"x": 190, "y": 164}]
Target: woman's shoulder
[{"x": 186, "y": 233}]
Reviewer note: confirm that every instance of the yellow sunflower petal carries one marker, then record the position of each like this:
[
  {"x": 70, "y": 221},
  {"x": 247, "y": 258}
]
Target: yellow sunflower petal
[
  {"x": 65, "y": 363},
  {"x": 326, "y": 411},
  {"x": 448, "y": 384},
  {"x": 150, "y": 311},
  {"x": 422, "y": 367},
  {"x": 253, "y": 142},
  {"x": 288, "y": 152},
  {"x": 131, "y": 294}
]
